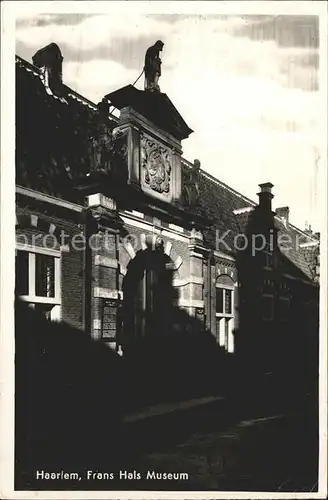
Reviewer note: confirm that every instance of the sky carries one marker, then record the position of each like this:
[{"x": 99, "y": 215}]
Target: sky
[{"x": 248, "y": 85}]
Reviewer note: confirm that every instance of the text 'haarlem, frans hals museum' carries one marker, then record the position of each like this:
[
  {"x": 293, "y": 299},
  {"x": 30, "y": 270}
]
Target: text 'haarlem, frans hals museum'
[{"x": 168, "y": 241}]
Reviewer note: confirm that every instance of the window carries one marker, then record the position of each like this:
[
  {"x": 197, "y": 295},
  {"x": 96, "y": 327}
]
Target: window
[
  {"x": 227, "y": 301},
  {"x": 223, "y": 300},
  {"x": 224, "y": 332},
  {"x": 224, "y": 312},
  {"x": 38, "y": 280},
  {"x": 219, "y": 300},
  {"x": 44, "y": 275}
]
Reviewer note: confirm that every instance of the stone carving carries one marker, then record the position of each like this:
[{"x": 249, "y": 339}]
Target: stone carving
[
  {"x": 156, "y": 165},
  {"x": 159, "y": 244},
  {"x": 119, "y": 150},
  {"x": 100, "y": 150},
  {"x": 101, "y": 140},
  {"x": 108, "y": 147},
  {"x": 191, "y": 188},
  {"x": 152, "y": 66}
]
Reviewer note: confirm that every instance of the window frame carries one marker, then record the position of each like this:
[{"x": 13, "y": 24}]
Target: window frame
[
  {"x": 225, "y": 319},
  {"x": 31, "y": 296},
  {"x": 224, "y": 288}
]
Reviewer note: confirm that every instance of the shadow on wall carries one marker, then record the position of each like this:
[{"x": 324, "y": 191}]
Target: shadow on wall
[
  {"x": 68, "y": 393},
  {"x": 168, "y": 354},
  {"x": 72, "y": 391},
  {"x": 278, "y": 332}
]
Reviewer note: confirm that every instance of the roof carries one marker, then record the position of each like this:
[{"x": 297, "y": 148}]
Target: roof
[
  {"x": 156, "y": 106},
  {"x": 230, "y": 211},
  {"x": 54, "y": 134},
  {"x": 217, "y": 201}
]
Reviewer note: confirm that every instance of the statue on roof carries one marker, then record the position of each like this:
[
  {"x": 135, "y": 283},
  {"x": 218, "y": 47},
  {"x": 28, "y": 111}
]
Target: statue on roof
[{"x": 152, "y": 66}]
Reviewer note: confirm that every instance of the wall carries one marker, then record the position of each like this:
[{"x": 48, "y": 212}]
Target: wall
[{"x": 50, "y": 229}]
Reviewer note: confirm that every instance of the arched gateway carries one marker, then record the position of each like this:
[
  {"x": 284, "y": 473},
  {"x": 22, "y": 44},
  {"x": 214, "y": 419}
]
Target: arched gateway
[{"x": 148, "y": 295}]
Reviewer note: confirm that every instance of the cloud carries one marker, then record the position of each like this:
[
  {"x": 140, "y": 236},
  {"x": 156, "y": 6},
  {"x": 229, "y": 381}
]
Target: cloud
[
  {"x": 125, "y": 39},
  {"x": 96, "y": 78},
  {"x": 91, "y": 32},
  {"x": 248, "y": 103},
  {"x": 29, "y": 20},
  {"x": 248, "y": 89},
  {"x": 286, "y": 31},
  {"x": 120, "y": 49}
]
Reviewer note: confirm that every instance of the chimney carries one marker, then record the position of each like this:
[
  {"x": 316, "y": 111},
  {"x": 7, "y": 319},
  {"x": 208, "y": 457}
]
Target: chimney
[
  {"x": 50, "y": 60},
  {"x": 265, "y": 196},
  {"x": 283, "y": 213},
  {"x": 308, "y": 228}
]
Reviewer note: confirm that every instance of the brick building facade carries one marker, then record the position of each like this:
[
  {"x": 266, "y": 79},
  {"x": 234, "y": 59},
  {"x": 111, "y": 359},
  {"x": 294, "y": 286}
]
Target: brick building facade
[{"x": 114, "y": 174}]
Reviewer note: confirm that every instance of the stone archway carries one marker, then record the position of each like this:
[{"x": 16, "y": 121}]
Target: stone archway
[{"x": 148, "y": 295}]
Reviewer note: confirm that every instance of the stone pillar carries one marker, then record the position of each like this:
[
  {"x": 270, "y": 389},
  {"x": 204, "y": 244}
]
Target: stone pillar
[
  {"x": 235, "y": 306},
  {"x": 196, "y": 285},
  {"x": 104, "y": 269},
  {"x": 207, "y": 293},
  {"x": 213, "y": 300},
  {"x": 145, "y": 142},
  {"x": 132, "y": 135},
  {"x": 176, "y": 175}
]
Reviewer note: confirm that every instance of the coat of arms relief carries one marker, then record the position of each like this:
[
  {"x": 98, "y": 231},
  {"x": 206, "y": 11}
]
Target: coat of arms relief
[{"x": 155, "y": 165}]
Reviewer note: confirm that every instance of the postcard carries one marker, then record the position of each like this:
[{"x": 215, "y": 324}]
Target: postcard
[{"x": 164, "y": 249}]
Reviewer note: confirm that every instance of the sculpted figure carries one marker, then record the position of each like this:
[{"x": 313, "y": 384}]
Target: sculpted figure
[
  {"x": 194, "y": 182},
  {"x": 152, "y": 66},
  {"x": 191, "y": 189}
]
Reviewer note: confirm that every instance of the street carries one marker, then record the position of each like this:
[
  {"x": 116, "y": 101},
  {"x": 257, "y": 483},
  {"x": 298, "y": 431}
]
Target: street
[{"x": 275, "y": 452}]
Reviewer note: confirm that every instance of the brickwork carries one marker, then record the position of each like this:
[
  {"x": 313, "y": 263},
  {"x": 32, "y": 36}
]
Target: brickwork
[
  {"x": 72, "y": 288},
  {"x": 154, "y": 182},
  {"x": 104, "y": 276},
  {"x": 32, "y": 228},
  {"x": 34, "y": 237},
  {"x": 194, "y": 297}
]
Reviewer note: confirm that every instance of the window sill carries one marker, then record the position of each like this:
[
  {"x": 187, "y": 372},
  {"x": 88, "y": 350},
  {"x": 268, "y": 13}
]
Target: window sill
[{"x": 40, "y": 300}]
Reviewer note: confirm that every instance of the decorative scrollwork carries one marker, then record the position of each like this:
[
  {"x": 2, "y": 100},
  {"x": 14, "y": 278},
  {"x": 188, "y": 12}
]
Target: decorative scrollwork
[{"x": 156, "y": 165}]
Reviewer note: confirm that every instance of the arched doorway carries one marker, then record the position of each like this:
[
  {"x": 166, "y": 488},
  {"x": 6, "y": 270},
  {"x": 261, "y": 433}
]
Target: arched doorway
[{"x": 147, "y": 296}]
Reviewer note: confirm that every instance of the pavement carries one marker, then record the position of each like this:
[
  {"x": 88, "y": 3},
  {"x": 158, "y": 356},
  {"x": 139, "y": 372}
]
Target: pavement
[
  {"x": 167, "y": 408},
  {"x": 224, "y": 447}
]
